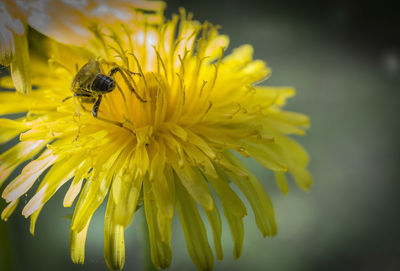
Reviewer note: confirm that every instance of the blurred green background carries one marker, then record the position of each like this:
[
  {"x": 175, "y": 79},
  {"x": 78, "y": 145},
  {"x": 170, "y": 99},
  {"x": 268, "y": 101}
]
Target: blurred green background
[{"x": 344, "y": 60}]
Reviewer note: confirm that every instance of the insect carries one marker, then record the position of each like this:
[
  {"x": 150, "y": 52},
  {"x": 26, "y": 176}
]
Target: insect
[{"x": 89, "y": 84}]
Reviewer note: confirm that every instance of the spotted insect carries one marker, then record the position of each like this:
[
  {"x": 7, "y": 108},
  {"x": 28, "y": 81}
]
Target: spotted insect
[{"x": 89, "y": 84}]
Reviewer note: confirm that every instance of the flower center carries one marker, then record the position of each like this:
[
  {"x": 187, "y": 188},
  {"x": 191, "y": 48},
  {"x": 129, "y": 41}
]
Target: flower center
[{"x": 149, "y": 79}]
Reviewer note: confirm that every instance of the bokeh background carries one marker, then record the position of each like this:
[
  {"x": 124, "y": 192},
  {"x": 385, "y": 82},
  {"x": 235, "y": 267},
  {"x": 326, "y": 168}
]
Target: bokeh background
[{"x": 343, "y": 58}]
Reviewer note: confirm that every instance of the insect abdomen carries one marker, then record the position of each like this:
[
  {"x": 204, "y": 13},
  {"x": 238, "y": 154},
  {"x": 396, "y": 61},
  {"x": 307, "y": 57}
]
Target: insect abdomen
[{"x": 102, "y": 84}]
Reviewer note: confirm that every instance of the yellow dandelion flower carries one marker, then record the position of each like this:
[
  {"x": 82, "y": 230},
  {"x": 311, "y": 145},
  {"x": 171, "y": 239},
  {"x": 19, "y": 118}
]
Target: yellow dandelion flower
[{"x": 156, "y": 116}]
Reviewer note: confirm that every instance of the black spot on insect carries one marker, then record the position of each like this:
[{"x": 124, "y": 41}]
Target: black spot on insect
[{"x": 89, "y": 85}]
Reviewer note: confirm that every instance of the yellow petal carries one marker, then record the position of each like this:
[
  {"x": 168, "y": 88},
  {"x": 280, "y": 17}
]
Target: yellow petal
[
  {"x": 126, "y": 197},
  {"x": 8, "y": 26},
  {"x": 165, "y": 226},
  {"x": 98, "y": 184},
  {"x": 77, "y": 244},
  {"x": 200, "y": 159},
  {"x": 201, "y": 144},
  {"x": 114, "y": 242},
  {"x": 28, "y": 176},
  {"x": 13, "y": 157},
  {"x": 294, "y": 118},
  {"x": 161, "y": 251},
  {"x": 302, "y": 177},
  {"x": 254, "y": 71},
  {"x": 237, "y": 231},
  {"x": 225, "y": 193},
  {"x": 6, "y": 45},
  {"x": 281, "y": 181},
  {"x": 194, "y": 230},
  {"x": 216, "y": 226},
  {"x": 297, "y": 159},
  {"x": 56, "y": 177},
  {"x": 268, "y": 156},
  {"x": 257, "y": 196},
  {"x": 6, "y": 82},
  {"x": 278, "y": 94},
  {"x": 9, "y": 210},
  {"x": 97, "y": 188},
  {"x": 59, "y": 174},
  {"x": 8, "y": 134},
  {"x": 76, "y": 184},
  {"x": 10, "y": 129},
  {"x": 72, "y": 193},
  {"x": 12, "y": 102},
  {"x": 33, "y": 219},
  {"x": 225, "y": 138},
  {"x": 240, "y": 56},
  {"x": 163, "y": 189},
  {"x": 233, "y": 207},
  {"x": 177, "y": 131},
  {"x": 281, "y": 127},
  {"x": 215, "y": 45},
  {"x": 77, "y": 239},
  {"x": 20, "y": 65},
  {"x": 196, "y": 185},
  {"x": 166, "y": 212}
]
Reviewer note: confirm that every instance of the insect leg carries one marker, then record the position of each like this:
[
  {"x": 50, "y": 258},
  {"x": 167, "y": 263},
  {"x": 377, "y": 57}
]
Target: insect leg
[
  {"x": 77, "y": 95},
  {"x": 76, "y": 105},
  {"x": 131, "y": 88},
  {"x": 113, "y": 71},
  {"x": 96, "y": 106},
  {"x": 69, "y": 97},
  {"x": 95, "y": 112},
  {"x": 77, "y": 109},
  {"x": 83, "y": 95},
  {"x": 118, "y": 69},
  {"x": 79, "y": 132}
]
